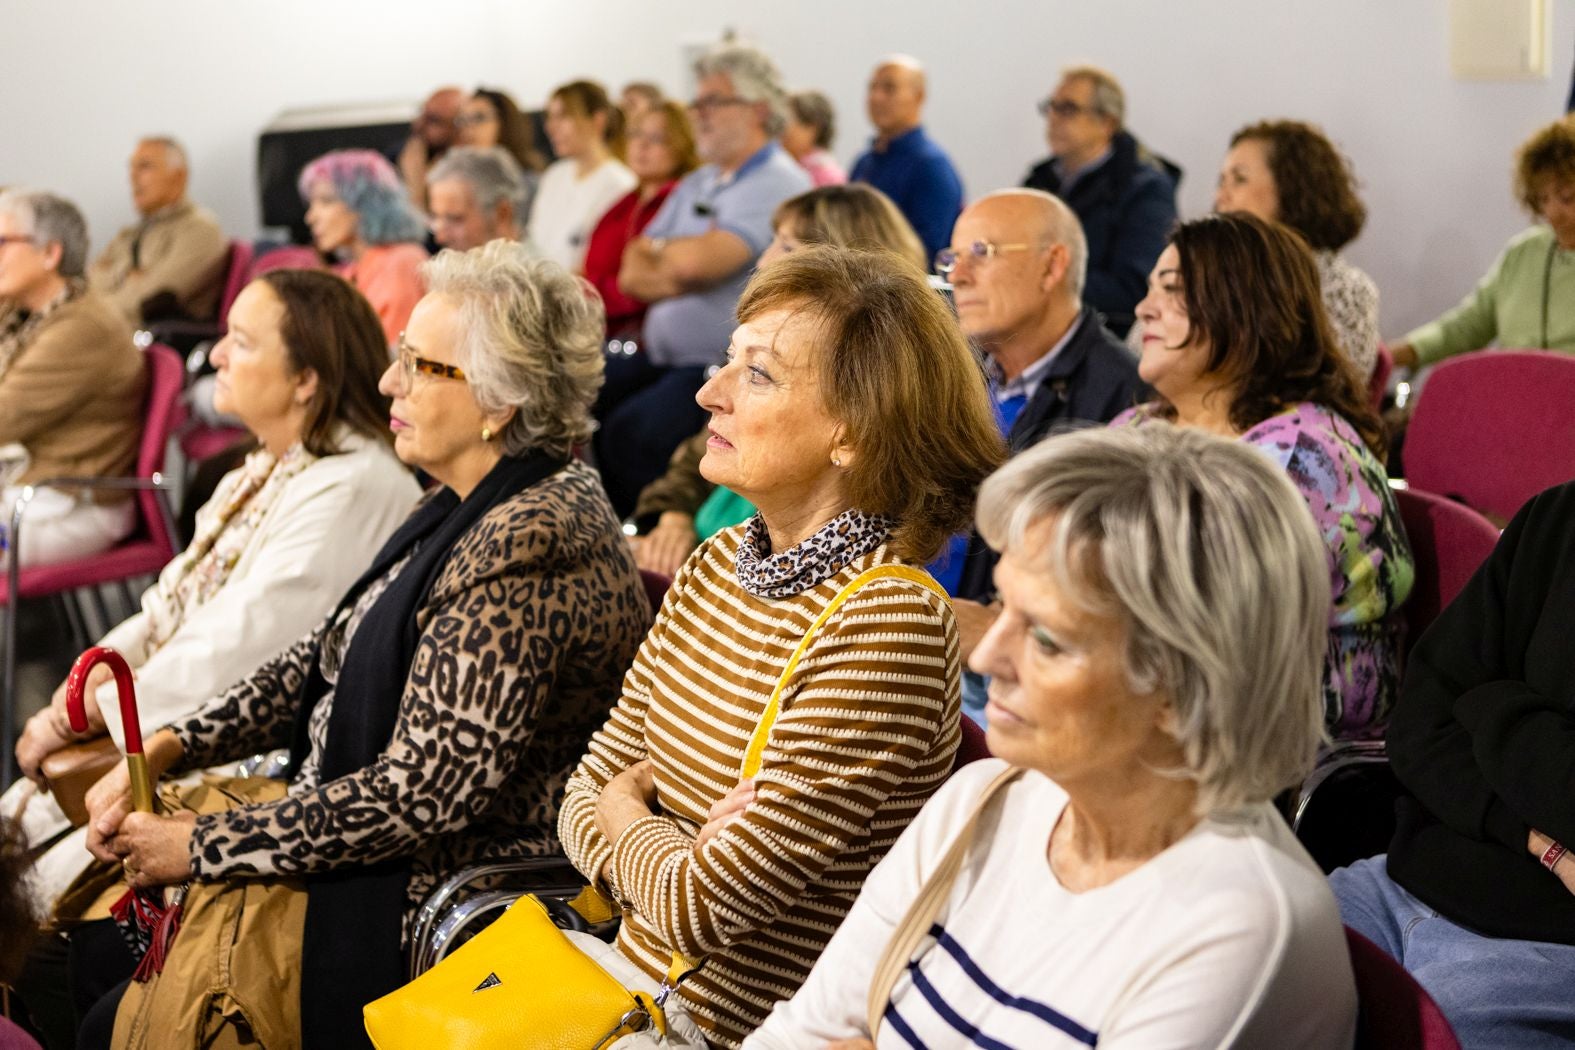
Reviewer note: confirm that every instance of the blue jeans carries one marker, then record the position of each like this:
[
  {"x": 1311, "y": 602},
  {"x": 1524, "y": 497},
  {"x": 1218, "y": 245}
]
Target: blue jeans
[
  {"x": 1496, "y": 992},
  {"x": 975, "y": 694}
]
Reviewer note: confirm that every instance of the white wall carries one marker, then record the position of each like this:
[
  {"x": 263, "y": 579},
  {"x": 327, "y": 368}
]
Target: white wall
[{"x": 1433, "y": 154}]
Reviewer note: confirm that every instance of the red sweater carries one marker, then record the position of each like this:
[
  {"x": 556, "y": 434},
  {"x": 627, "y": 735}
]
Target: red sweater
[{"x": 604, "y": 254}]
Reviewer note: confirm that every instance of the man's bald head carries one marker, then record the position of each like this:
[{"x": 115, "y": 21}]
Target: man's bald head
[
  {"x": 896, "y": 95},
  {"x": 435, "y": 123},
  {"x": 1044, "y": 218}
]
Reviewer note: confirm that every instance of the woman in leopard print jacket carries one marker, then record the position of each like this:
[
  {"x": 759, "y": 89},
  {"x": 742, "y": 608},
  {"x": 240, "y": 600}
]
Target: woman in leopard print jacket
[{"x": 436, "y": 715}]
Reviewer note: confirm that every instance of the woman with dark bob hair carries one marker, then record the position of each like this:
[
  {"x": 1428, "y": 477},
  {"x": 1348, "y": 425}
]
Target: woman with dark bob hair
[
  {"x": 1153, "y": 685},
  {"x": 851, "y": 414},
  {"x": 1527, "y": 299},
  {"x": 1287, "y": 171},
  {"x": 1236, "y": 342},
  {"x": 282, "y": 537},
  {"x": 434, "y": 716}
]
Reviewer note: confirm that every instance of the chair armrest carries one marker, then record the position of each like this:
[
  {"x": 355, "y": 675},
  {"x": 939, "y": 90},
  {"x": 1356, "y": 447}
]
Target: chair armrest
[
  {"x": 1342, "y": 755},
  {"x": 553, "y": 876},
  {"x": 160, "y": 486}
]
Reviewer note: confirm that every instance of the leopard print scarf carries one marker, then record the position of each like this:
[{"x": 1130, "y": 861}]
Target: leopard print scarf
[{"x": 845, "y": 538}]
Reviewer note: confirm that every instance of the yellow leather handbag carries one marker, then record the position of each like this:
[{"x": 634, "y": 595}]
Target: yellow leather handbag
[{"x": 524, "y": 982}]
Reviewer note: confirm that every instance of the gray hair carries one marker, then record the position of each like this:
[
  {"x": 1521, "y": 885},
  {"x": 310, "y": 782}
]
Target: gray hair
[
  {"x": 1109, "y": 100},
  {"x": 492, "y": 174},
  {"x": 51, "y": 220},
  {"x": 754, "y": 77},
  {"x": 174, "y": 152},
  {"x": 1205, "y": 551},
  {"x": 531, "y": 340},
  {"x": 1061, "y": 226}
]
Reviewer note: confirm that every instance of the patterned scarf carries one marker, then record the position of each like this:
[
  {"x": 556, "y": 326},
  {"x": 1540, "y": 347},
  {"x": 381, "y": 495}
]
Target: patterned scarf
[
  {"x": 18, "y": 326},
  {"x": 224, "y": 534},
  {"x": 844, "y": 539}
]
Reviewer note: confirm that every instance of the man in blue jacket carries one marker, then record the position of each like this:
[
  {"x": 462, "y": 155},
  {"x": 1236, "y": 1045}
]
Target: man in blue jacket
[
  {"x": 903, "y": 162},
  {"x": 1124, "y": 196},
  {"x": 1016, "y": 262}
]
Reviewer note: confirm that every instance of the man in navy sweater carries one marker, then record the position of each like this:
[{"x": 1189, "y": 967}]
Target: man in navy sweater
[
  {"x": 903, "y": 162},
  {"x": 1476, "y": 897}
]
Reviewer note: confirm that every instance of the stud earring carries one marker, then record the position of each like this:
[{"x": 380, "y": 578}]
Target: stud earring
[
  {"x": 486, "y": 433},
  {"x": 836, "y": 460}
]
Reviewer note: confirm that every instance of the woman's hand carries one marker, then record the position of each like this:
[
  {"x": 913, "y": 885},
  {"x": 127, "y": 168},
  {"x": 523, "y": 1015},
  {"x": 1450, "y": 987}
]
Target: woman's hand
[
  {"x": 665, "y": 548},
  {"x": 727, "y": 809},
  {"x": 155, "y": 850},
  {"x": 39, "y": 740},
  {"x": 628, "y": 797},
  {"x": 97, "y": 676},
  {"x": 108, "y": 804},
  {"x": 1564, "y": 867}
]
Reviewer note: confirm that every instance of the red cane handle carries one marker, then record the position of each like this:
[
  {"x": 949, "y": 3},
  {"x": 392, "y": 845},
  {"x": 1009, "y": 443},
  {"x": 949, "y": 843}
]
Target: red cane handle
[{"x": 77, "y": 682}]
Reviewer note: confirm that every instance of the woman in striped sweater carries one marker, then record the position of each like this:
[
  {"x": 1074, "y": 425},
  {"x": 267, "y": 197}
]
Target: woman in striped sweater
[{"x": 851, "y": 414}]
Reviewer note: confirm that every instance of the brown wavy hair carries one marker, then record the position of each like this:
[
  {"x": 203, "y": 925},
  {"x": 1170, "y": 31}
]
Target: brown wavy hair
[
  {"x": 680, "y": 134},
  {"x": 515, "y": 132},
  {"x": 585, "y": 99},
  {"x": 1316, "y": 186},
  {"x": 1251, "y": 290},
  {"x": 894, "y": 370},
  {"x": 18, "y": 922},
  {"x": 329, "y": 327},
  {"x": 1548, "y": 156}
]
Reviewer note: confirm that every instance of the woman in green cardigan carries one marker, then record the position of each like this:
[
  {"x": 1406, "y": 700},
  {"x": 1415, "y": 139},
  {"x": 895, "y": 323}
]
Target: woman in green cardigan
[{"x": 1527, "y": 299}]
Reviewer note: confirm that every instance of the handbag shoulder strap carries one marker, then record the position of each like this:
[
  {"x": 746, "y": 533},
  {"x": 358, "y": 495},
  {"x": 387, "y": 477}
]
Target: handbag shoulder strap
[
  {"x": 915, "y": 925},
  {"x": 757, "y": 743}
]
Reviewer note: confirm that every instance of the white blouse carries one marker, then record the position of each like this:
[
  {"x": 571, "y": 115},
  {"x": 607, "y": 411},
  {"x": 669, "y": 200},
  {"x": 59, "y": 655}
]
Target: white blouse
[{"x": 568, "y": 207}]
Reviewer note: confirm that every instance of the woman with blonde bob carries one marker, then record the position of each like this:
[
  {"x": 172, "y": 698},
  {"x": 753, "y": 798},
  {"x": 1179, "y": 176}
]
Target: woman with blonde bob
[
  {"x": 1155, "y": 682},
  {"x": 434, "y": 716},
  {"x": 850, "y": 413}
]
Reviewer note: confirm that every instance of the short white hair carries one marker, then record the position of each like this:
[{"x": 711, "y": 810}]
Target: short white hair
[
  {"x": 492, "y": 174},
  {"x": 531, "y": 340},
  {"x": 1206, "y": 552},
  {"x": 174, "y": 152},
  {"x": 754, "y": 77}
]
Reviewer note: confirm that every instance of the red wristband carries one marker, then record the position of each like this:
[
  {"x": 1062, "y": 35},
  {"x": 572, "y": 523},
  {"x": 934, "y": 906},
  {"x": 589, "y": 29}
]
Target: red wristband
[{"x": 1551, "y": 856}]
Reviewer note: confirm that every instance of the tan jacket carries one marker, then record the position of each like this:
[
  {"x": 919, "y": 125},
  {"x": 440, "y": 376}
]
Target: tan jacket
[
  {"x": 183, "y": 252},
  {"x": 74, "y": 395}
]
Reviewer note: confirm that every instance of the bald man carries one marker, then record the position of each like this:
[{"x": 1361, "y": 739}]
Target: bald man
[
  {"x": 431, "y": 135},
  {"x": 903, "y": 162},
  {"x": 1017, "y": 263},
  {"x": 170, "y": 263}
]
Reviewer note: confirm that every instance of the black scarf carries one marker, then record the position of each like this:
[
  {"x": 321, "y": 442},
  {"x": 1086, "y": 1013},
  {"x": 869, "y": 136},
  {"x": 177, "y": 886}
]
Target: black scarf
[{"x": 350, "y": 954}]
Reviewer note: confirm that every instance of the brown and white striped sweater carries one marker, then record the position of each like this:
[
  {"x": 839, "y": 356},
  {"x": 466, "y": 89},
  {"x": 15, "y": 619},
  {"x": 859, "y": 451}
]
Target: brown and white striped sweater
[{"x": 867, "y": 732}]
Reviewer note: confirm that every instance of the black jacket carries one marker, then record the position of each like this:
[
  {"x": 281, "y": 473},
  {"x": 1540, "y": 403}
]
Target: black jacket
[
  {"x": 1127, "y": 207},
  {"x": 1092, "y": 380},
  {"x": 1483, "y": 736}
]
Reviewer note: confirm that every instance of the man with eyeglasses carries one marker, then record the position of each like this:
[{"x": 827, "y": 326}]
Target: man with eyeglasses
[
  {"x": 431, "y": 134},
  {"x": 903, "y": 162},
  {"x": 1016, "y": 264},
  {"x": 691, "y": 264},
  {"x": 476, "y": 195},
  {"x": 1124, "y": 195}
]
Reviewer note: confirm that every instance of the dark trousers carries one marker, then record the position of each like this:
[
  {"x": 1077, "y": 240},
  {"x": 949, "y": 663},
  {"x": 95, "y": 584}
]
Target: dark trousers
[
  {"x": 645, "y": 413},
  {"x": 72, "y": 986}
]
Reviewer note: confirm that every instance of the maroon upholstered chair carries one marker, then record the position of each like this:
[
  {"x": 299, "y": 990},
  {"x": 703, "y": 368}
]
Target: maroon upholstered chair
[
  {"x": 1494, "y": 428},
  {"x": 144, "y": 553},
  {"x": 1394, "y": 1012},
  {"x": 1449, "y": 542}
]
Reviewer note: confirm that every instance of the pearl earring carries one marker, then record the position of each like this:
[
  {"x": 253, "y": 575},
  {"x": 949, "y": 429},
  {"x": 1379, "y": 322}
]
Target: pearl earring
[{"x": 836, "y": 460}]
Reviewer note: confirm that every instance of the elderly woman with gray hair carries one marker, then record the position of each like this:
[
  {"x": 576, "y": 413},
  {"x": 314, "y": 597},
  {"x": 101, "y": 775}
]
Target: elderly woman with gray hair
[
  {"x": 71, "y": 383},
  {"x": 435, "y": 716},
  {"x": 1117, "y": 874},
  {"x": 476, "y": 195}
]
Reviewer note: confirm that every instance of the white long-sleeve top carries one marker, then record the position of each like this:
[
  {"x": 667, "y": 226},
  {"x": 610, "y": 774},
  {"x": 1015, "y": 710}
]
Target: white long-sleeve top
[
  {"x": 1228, "y": 938},
  {"x": 568, "y": 206},
  {"x": 316, "y": 539}
]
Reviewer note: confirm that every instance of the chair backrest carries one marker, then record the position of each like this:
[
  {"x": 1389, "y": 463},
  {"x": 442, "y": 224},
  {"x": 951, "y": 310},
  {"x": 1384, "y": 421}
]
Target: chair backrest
[
  {"x": 236, "y": 274},
  {"x": 655, "y": 587},
  {"x": 1449, "y": 542},
  {"x": 1493, "y": 429},
  {"x": 973, "y": 745},
  {"x": 166, "y": 378},
  {"x": 1378, "y": 382},
  {"x": 1395, "y": 1012}
]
